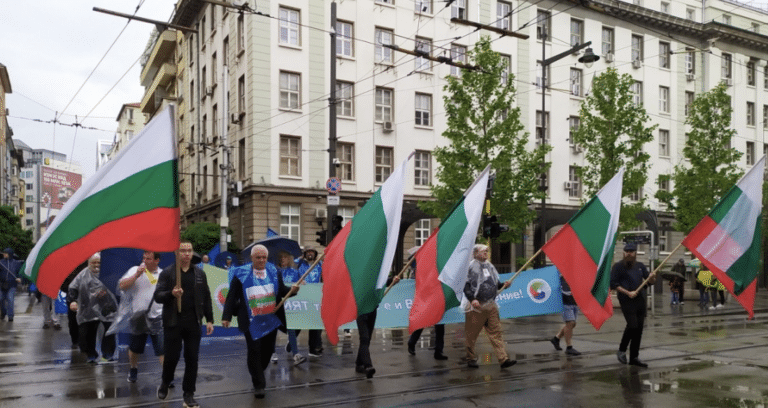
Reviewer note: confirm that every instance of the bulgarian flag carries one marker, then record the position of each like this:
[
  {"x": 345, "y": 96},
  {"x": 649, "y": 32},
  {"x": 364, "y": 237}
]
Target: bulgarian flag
[
  {"x": 583, "y": 251},
  {"x": 727, "y": 240},
  {"x": 131, "y": 202},
  {"x": 442, "y": 262},
  {"x": 358, "y": 260}
]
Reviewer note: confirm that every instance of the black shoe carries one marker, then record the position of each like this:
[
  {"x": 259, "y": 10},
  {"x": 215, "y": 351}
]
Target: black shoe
[
  {"x": 622, "y": 356},
  {"x": 555, "y": 342},
  {"x": 508, "y": 363},
  {"x": 369, "y": 372},
  {"x": 162, "y": 391},
  {"x": 189, "y": 401},
  {"x": 288, "y": 348},
  {"x": 411, "y": 349},
  {"x": 360, "y": 369},
  {"x": 472, "y": 364},
  {"x": 637, "y": 362},
  {"x": 440, "y": 356},
  {"x": 315, "y": 353},
  {"x": 260, "y": 394},
  {"x": 572, "y": 351},
  {"x": 133, "y": 374}
]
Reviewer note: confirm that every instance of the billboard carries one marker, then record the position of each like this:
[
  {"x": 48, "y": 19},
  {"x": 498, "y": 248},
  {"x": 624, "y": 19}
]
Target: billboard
[{"x": 58, "y": 186}]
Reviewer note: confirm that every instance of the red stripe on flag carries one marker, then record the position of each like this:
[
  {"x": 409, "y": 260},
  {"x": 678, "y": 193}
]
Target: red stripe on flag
[
  {"x": 338, "y": 306},
  {"x": 700, "y": 233},
  {"x": 579, "y": 270},
  {"x": 428, "y": 298},
  {"x": 154, "y": 230}
]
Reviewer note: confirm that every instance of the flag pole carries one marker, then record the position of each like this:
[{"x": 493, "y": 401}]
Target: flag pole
[
  {"x": 299, "y": 282},
  {"x": 178, "y": 280},
  {"x": 522, "y": 268},
  {"x": 645, "y": 282},
  {"x": 399, "y": 275}
]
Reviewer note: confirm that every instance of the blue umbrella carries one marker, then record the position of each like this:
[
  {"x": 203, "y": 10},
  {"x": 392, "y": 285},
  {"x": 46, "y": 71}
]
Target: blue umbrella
[
  {"x": 221, "y": 259},
  {"x": 275, "y": 245}
]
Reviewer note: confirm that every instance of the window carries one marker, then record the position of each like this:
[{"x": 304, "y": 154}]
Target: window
[
  {"x": 664, "y": 7},
  {"x": 690, "y": 14},
  {"x": 213, "y": 18},
  {"x": 664, "y": 239},
  {"x": 575, "y": 82},
  {"x": 542, "y": 135},
  {"x": 203, "y": 83},
  {"x": 573, "y": 125},
  {"x": 423, "y": 6},
  {"x": 29, "y": 186},
  {"x": 577, "y": 32},
  {"x": 542, "y": 25},
  {"x": 751, "y": 72},
  {"x": 204, "y": 129},
  {"x": 215, "y": 179},
  {"x": 664, "y": 55},
  {"x": 765, "y": 78},
  {"x": 213, "y": 69},
  {"x": 422, "y": 168},
  {"x": 690, "y": 62},
  {"x": 344, "y": 39},
  {"x": 423, "y": 109},
  {"x": 505, "y": 74},
  {"x": 765, "y": 149},
  {"x": 205, "y": 179},
  {"x": 664, "y": 182},
  {"x": 384, "y": 160},
  {"x": 725, "y": 65},
  {"x": 607, "y": 41},
  {"x": 504, "y": 15},
  {"x": 422, "y": 231},
  {"x": 637, "y": 48},
  {"x": 241, "y": 94},
  {"x": 382, "y": 54},
  {"x": 458, "y": 54},
  {"x": 290, "y": 221},
  {"x": 664, "y": 143},
  {"x": 290, "y": 90},
  {"x": 29, "y": 222},
  {"x": 636, "y": 195},
  {"x": 664, "y": 99},
  {"x": 345, "y": 102},
  {"x": 540, "y": 74},
  {"x": 29, "y": 210},
  {"x": 241, "y": 159},
  {"x": 637, "y": 92},
  {"x": 386, "y": 1},
  {"x": 290, "y": 156},
  {"x": 345, "y": 152},
  {"x": 202, "y": 31},
  {"x": 423, "y": 48},
  {"x": 574, "y": 183},
  {"x": 29, "y": 199},
  {"x": 765, "y": 116},
  {"x": 384, "y": 104},
  {"x": 459, "y": 9},
  {"x": 129, "y": 134},
  {"x": 240, "y": 33},
  {"x": 215, "y": 126},
  {"x": 750, "y": 114},
  {"x": 689, "y": 96},
  {"x": 750, "y": 153},
  {"x": 289, "y": 26},
  {"x": 225, "y": 60},
  {"x": 346, "y": 214}
]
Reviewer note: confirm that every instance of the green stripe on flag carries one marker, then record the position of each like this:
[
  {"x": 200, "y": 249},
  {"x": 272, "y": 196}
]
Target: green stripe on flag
[
  {"x": 602, "y": 285},
  {"x": 745, "y": 269},
  {"x": 591, "y": 225},
  {"x": 450, "y": 297},
  {"x": 449, "y": 235},
  {"x": 725, "y": 204}
]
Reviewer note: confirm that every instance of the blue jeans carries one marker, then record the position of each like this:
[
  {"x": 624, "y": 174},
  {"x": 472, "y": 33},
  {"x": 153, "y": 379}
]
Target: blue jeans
[
  {"x": 7, "y": 298},
  {"x": 293, "y": 342}
]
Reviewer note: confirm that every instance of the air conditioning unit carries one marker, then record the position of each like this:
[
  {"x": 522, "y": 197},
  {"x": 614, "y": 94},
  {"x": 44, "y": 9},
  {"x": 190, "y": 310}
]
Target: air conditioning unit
[
  {"x": 637, "y": 64},
  {"x": 321, "y": 213},
  {"x": 388, "y": 126},
  {"x": 209, "y": 90},
  {"x": 609, "y": 57},
  {"x": 690, "y": 77},
  {"x": 728, "y": 81},
  {"x": 567, "y": 185},
  {"x": 235, "y": 118}
]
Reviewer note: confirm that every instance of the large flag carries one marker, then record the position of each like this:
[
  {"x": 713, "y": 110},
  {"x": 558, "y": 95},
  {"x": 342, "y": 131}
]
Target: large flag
[
  {"x": 583, "y": 251},
  {"x": 442, "y": 261},
  {"x": 727, "y": 240},
  {"x": 358, "y": 260},
  {"x": 131, "y": 202}
]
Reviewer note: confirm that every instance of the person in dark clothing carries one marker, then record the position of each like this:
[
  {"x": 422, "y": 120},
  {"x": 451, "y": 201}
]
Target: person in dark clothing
[
  {"x": 183, "y": 327},
  {"x": 680, "y": 268},
  {"x": 439, "y": 334},
  {"x": 365, "y": 325},
  {"x": 570, "y": 312},
  {"x": 71, "y": 314},
  {"x": 9, "y": 279},
  {"x": 626, "y": 277}
]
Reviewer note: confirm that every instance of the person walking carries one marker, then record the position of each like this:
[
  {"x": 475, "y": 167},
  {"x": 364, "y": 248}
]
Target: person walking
[
  {"x": 9, "y": 279},
  {"x": 570, "y": 312}
]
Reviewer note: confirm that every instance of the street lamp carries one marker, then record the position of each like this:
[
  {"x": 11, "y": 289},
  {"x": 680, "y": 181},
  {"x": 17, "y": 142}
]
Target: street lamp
[{"x": 587, "y": 59}]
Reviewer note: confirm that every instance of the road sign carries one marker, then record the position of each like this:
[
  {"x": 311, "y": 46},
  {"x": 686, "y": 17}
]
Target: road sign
[
  {"x": 333, "y": 200},
  {"x": 333, "y": 185}
]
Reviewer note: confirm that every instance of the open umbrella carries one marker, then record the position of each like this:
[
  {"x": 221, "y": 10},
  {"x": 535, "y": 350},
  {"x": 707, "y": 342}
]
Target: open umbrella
[
  {"x": 221, "y": 259},
  {"x": 275, "y": 245},
  {"x": 709, "y": 280},
  {"x": 672, "y": 275}
]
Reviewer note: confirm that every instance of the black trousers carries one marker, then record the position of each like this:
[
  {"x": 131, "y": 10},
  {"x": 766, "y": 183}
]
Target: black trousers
[
  {"x": 633, "y": 332},
  {"x": 259, "y": 353},
  {"x": 315, "y": 339},
  {"x": 187, "y": 333},
  {"x": 439, "y": 338},
  {"x": 74, "y": 330},
  {"x": 87, "y": 339},
  {"x": 365, "y": 323}
]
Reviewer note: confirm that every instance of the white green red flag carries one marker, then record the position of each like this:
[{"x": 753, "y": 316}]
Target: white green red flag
[
  {"x": 583, "y": 251},
  {"x": 131, "y": 202},
  {"x": 443, "y": 260},
  {"x": 727, "y": 240},
  {"x": 358, "y": 260}
]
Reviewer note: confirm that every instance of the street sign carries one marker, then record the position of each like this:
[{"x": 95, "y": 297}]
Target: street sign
[
  {"x": 333, "y": 200},
  {"x": 637, "y": 239},
  {"x": 333, "y": 185}
]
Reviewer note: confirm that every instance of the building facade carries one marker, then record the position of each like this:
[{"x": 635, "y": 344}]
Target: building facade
[{"x": 130, "y": 121}]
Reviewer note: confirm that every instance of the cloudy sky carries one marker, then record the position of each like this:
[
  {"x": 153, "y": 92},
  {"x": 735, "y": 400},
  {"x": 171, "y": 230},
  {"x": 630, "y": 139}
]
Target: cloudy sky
[{"x": 50, "y": 47}]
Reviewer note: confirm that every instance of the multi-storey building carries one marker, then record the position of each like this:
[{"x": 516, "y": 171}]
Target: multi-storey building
[
  {"x": 130, "y": 121},
  {"x": 255, "y": 91},
  {"x": 10, "y": 191}
]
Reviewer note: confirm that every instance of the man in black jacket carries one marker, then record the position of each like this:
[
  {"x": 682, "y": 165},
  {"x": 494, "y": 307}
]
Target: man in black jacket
[{"x": 183, "y": 327}]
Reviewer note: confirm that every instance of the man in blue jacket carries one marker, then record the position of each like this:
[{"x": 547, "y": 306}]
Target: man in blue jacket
[{"x": 9, "y": 277}]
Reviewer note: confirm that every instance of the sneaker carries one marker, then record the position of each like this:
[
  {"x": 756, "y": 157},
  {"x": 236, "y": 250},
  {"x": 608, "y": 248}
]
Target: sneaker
[
  {"x": 712, "y": 308},
  {"x": 347, "y": 333},
  {"x": 274, "y": 359},
  {"x": 315, "y": 353},
  {"x": 189, "y": 400},
  {"x": 720, "y": 306},
  {"x": 360, "y": 369},
  {"x": 508, "y": 363},
  {"x": 637, "y": 362},
  {"x": 298, "y": 359},
  {"x": 440, "y": 356},
  {"x": 132, "y": 375},
  {"x": 46, "y": 326},
  {"x": 369, "y": 372},
  {"x": 411, "y": 349},
  {"x": 259, "y": 393},
  {"x": 92, "y": 360},
  {"x": 622, "y": 356},
  {"x": 162, "y": 391},
  {"x": 572, "y": 351},
  {"x": 682, "y": 303},
  {"x": 472, "y": 364},
  {"x": 56, "y": 326},
  {"x": 555, "y": 342}
]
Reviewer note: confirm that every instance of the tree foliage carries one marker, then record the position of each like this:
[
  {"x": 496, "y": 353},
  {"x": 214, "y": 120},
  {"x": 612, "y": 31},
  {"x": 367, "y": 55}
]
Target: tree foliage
[
  {"x": 484, "y": 128},
  {"x": 204, "y": 236},
  {"x": 713, "y": 169},
  {"x": 12, "y": 235},
  {"x": 612, "y": 131}
]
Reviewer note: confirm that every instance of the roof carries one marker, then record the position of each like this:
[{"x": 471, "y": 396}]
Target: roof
[{"x": 131, "y": 105}]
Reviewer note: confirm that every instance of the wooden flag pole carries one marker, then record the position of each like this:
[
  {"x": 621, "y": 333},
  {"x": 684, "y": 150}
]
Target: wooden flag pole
[
  {"x": 522, "y": 268},
  {"x": 645, "y": 282},
  {"x": 399, "y": 275},
  {"x": 178, "y": 279},
  {"x": 317, "y": 261}
]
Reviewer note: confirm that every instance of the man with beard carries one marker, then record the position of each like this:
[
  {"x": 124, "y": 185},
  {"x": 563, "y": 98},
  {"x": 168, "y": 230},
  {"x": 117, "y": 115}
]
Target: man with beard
[{"x": 626, "y": 277}]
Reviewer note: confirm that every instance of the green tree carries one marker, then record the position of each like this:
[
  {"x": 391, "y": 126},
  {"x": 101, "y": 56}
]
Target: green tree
[
  {"x": 12, "y": 235},
  {"x": 713, "y": 169},
  {"x": 484, "y": 128},
  {"x": 204, "y": 236},
  {"x": 612, "y": 131}
]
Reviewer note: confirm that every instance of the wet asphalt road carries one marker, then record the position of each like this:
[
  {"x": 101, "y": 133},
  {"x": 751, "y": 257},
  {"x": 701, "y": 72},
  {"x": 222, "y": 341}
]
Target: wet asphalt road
[{"x": 697, "y": 358}]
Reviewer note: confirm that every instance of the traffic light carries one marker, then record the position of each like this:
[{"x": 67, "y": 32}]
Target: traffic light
[
  {"x": 487, "y": 220},
  {"x": 322, "y": 237},
  {"x": 491, "y": 228}
]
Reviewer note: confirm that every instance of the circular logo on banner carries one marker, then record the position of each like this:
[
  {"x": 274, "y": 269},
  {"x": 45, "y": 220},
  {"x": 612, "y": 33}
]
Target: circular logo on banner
[
  {"x": 333, "y": 185},
  {"x": 220, "y": 294},
  {"x": 539, "y": 290}
]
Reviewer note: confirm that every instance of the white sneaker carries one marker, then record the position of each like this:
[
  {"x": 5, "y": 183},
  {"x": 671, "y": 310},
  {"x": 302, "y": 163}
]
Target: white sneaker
[
  {"x": 298, "y": 359},
  {"x": 274, "y": 359},
  {"x": 711, "y": 308},
  {"x": 720, "y": 306}
]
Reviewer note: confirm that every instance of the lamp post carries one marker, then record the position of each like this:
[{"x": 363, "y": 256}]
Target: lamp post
[{"x": 587, "y": 59}]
